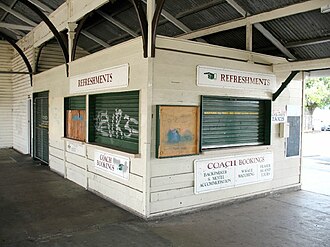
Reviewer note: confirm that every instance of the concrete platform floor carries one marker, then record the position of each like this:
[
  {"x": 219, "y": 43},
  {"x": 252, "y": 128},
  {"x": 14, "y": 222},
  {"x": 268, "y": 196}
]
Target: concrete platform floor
[{"x": 40, "y": 208}]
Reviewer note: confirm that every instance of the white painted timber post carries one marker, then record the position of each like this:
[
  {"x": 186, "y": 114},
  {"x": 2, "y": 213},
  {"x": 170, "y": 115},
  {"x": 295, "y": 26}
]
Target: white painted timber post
[{"x": 71, "y": 34}]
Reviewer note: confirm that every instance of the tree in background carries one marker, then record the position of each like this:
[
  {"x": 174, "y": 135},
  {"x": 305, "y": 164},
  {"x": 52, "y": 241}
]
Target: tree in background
[{"x": 317, "y": 95}]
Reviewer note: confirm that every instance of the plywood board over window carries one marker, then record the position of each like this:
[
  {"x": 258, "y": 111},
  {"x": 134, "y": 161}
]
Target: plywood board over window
[
  {"x": 76, "y": 124},
  {"x": 177, "y": 131},
  {"x": 75, "y": 118}
]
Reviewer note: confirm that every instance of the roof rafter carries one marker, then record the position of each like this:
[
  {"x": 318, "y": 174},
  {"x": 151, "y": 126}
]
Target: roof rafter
[
  {"x": 263, "y": 31},
  {"x": 6, "y": 13},
  {"x": 316, "y": 64},
  {"x": 95, "y": 39},
  {"x": 42, "y": 6},
  {"x": 117, "y": 23},
  {"x": 199, "y": 8},
  {"x": 85, "y": 33},
  {"x": 173, "y": 20},
  {"x": 15, "y": 26},
  {"x": 274, "y": 41},
  {"x": 18, "y": 15},
  {"x": 266, "y": 16},
  {"x": 176, "y": 22},
  {"x": 308, "y": 42}
]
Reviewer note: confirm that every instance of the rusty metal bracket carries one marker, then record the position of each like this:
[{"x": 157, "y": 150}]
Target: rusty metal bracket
[
  {"x": 155, "y": 21},
  {"x": 143, "y": 24},
  {"x": 20, "y": 52},
  {"x": 285, "y": 84},
  {"x": 38, "y": 57},
  {"x": 77, "y": 34},
  {"x": 51, "y": 26}
]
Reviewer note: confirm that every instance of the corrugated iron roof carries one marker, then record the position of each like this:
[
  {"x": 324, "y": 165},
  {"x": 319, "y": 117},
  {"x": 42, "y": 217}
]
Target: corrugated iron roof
[
  {"x": 313, "y": 51},
  {"x": 260, "y": 6},
  {"x": 305, "y": 35},
  {"x": 207, "y": 17},
  {"x": 305, "y": 26}
]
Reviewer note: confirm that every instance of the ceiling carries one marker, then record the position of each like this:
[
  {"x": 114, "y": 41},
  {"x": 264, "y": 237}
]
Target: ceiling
[{"x": 301, "y": 35}]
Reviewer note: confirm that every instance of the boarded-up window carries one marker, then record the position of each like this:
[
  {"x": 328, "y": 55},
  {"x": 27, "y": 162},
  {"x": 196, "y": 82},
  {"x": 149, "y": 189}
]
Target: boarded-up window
[
  {"x": 177, "y": 131},
  {"x": 75, "y": 118},
  {"x": 114, "y": 120},
  {"x": 228, "y": 122}
]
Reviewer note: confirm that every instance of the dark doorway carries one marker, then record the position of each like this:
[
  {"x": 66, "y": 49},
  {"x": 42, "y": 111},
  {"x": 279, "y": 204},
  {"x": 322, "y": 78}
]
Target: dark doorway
[{"x": 40, "y": 126}]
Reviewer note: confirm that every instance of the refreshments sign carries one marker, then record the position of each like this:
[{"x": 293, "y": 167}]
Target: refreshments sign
[
  {"x": 232, "y": 171},
  {"x": 229, "y": 78},
  {"x": 114, "y": 77}
]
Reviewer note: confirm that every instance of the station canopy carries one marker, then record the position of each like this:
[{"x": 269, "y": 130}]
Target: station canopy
[{"x": 295, "y": 29}]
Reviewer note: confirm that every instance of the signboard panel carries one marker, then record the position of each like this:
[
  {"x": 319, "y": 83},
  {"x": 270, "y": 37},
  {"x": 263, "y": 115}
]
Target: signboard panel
[
  {"x": 228, "y": 78},
  {"x": 177, "y": 131},
  {"x": 279, "y": 116},
  {"x": 114, "y": 77},
  {"x": 76, "y": 148},
  {"x": 115, "y": 164},
  {"x": 232, "y": 171}
]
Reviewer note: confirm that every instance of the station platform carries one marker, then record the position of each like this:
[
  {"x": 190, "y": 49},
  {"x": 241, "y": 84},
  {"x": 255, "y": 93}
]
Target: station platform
[{"x": 40, "y": 208}]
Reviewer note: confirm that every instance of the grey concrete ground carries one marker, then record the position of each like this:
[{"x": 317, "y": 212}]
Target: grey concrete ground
[
  {"x": 39, "y": 208},
  {"x": 316, "y": 162}
]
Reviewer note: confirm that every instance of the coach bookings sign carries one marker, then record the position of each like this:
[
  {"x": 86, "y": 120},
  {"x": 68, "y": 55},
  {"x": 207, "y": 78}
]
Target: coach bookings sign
[{"x": 232, "y": 171}]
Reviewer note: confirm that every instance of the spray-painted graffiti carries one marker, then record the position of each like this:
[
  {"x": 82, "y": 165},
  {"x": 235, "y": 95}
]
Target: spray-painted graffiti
[{"x": 116, "y": 125}]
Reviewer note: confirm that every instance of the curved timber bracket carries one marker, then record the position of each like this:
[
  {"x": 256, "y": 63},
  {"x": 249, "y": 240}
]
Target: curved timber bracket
[
  {"x": 155, "y": 21},
  {"x": 20, "y": 52},
  {"x": 143, "y": 24},
  {"x": 51, "y": 26},
  {"x": 285, "y": 84}
]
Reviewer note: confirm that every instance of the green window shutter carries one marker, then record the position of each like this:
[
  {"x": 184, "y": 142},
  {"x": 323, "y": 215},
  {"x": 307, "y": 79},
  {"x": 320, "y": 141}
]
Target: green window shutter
[
  {"x": 230, "y": 122},
  {"x": 75, "y": 103},
  {"x": 113, "y": 120}
]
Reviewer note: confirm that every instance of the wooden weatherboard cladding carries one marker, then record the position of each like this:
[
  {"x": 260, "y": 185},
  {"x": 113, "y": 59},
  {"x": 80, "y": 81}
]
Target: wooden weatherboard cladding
[
  {"x": 177, "y": 131},
  {"x": 230, "y": 122},
  {"x": 114, "y": 120},
  {"x": 75, "y": 118}
]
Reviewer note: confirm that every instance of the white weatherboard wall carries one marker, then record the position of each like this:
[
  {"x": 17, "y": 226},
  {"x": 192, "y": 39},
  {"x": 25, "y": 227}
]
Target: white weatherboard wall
[
  {"x": 6, "y": 95},
  {"x": 80, "y": 168},
  {"x": 172, "y": 179},
  {"x": 22, "y": 92}
]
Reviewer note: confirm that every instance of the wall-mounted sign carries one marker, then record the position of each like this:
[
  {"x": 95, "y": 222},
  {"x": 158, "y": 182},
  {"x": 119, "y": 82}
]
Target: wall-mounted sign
[
  {"x": 114, "y": 77},
  {"x": 115, "y": 164},
  {"x": 228, "y": 78},
  {"x": 177, "y": 131},
  {"x": 76, "y": 148},
  {"x": 279, "y": 116},
  {"x": 232, "y": 171}
]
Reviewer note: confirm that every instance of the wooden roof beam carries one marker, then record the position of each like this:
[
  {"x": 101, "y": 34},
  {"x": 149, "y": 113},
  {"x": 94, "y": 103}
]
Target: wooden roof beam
[{"x": 253, "y": 19}]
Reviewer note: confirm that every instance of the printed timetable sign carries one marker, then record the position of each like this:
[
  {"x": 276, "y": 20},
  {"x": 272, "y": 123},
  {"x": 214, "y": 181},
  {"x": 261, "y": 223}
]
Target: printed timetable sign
[
  {"x": 229, "y": 78},
  {"x": 114, "y": 77},
  {"x": 232, "y": 171}
]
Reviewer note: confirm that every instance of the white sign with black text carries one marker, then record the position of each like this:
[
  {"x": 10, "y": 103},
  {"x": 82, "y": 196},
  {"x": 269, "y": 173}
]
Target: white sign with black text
[
  {"x": 232, "y": 171},
  {"x": 229, "y": 78},
  {"x": 115, "y": 77},
  {"x": 115, "y": 164},
  {"x": 279, "y": 116}
]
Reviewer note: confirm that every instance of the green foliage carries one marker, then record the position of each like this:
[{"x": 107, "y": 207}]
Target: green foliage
[{"x": 317, "y": 93}]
